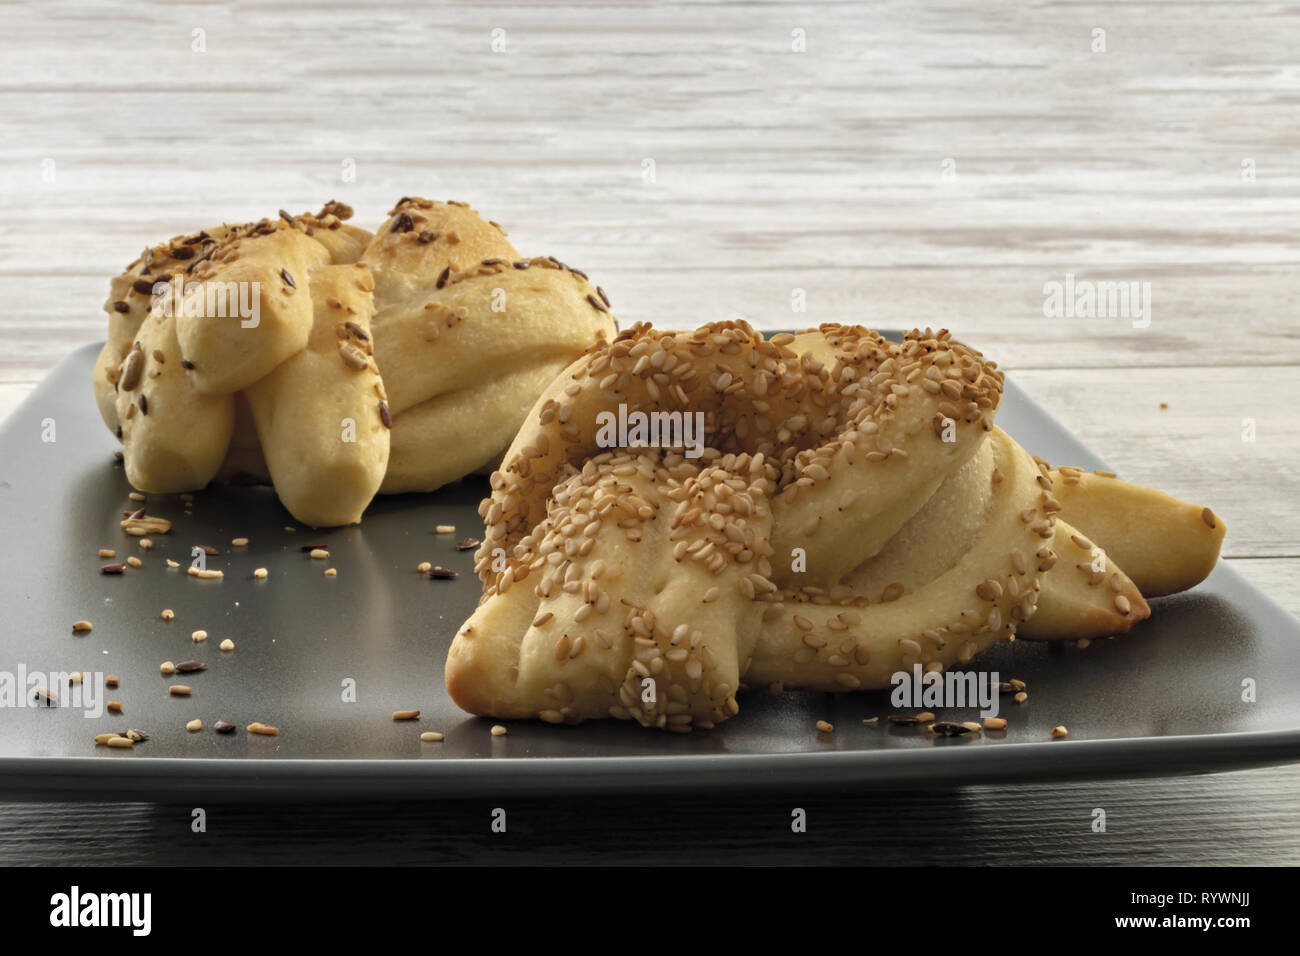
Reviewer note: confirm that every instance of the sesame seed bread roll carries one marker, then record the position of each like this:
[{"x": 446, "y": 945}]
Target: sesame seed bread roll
[
  {"x": 1163, "y": 543},
  {"x": 616, "y": 625},
  {"x": 174, "y": 438},
  {"x": 460, "y": 432},
  {"x": 495, "y": 315},
  {"x": 320, "y": 415},
  {"x": 952, "y": 542},
  {"x": 1084, "y": 594},
  {"x": 266, "y": 268},
  {"x": 849, "y": 644}
]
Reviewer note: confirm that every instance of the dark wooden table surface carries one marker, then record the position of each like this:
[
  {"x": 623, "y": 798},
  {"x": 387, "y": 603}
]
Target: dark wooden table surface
[{"x": 891, "y": 163}]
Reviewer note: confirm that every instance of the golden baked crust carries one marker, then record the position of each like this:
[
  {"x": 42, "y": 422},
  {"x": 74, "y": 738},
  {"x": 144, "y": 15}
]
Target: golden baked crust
[
  {"x": 445, "y": 319},
  {"x": 852, "y": 512}
]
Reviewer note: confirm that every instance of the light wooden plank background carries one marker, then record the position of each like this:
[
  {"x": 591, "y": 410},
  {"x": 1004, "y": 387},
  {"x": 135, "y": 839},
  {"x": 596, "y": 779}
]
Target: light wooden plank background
[{"x": 894, "y": 163}]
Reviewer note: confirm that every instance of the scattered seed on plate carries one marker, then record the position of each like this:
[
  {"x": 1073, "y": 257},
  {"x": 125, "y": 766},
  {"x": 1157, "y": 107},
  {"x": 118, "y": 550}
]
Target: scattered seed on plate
[
  {"x": 1059, "y": 731},
  {"x": 194, "y": 725},
  {"x": 198, "y": 637},
  {"x": 105, "y": 738},
  {"x": 331, "y": 573},
  {"x": 179, "y": 690},
  {"x": 239, "y": 542},
  {"x": 1021, "y": 697},
  {"x": 260, "y": 574},
  {"x": 466, "y": 544},
  {"x": 973, "y": 726},
  {"x": 825, "y": 726},
  {"x": 120, "y": 742},
  {"x": 405, "y": 714},
  {"x": 227, "y": 645},
  {"x": 146, "y": 544},
  {"x": 114, "y": 706},
  {"x": 112, "y": 569},
  {"x": 319, "y": 554},
  {"x": 173, "y": 564},
  {"x": 209, "y": 574},
  {"x": 995, "y": 723},
  {"x": 76, "y": 677},
  {"x": 190, "y": 667},
  {"x": 81, "y": 625},
  {"x": 424, "y": 567},
  {"x": 431, "y": 736},
  {"x": 445, "y": 529},
  {"x": 924, "y": 717},
  {"x": 871, "y": 720},
  {"x": 136, "y": 496},
  {"x": 112, "y": 680},
  {"x": 443, "y": 574},
  {"x": 168, "y": 614},
  {"x": 265, "y": 730},
  {"x": 290, "y": 528},
  {"x": 498, "y": 730},
  {"x": 167, "y": 667},
  {"x": 208, "y": 549},
  {"x": 224, "y": 727},
  {"x": 948, "y": 728},
  {"x": 107, "y": 553},
  {"x": 134, "y": 561}
]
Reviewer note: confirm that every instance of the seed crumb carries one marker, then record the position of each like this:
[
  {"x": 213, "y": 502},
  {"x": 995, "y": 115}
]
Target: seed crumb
[
  {"x": 194, "y": 725},
  {"x": 825, "y": 726},
  {"x": 198, "y": 637},
  {"x": 405, "y": 714},
  {"x": 261, "y": 574},
  {"x": 431, "y": 737},
  {"x": 498, "y": 730},
  {"x": 227, "y": 645},
  {"x": 1059, "y": 731}
]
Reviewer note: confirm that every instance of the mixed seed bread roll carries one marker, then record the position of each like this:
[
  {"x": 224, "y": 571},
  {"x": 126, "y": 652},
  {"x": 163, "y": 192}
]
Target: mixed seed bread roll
[
  {"x": 448, "y": 336},
  {"x": 849, "y": 511}
]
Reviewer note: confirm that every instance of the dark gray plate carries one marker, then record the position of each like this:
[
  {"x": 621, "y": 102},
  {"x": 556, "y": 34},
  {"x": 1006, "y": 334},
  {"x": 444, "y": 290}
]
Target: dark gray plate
[{"x": 1166, "y": 699}]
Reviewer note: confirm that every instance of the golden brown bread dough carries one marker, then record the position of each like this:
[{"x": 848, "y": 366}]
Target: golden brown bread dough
[
  {"x": 853, "y": 513},
  {"x": 461, "y": 336}
]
